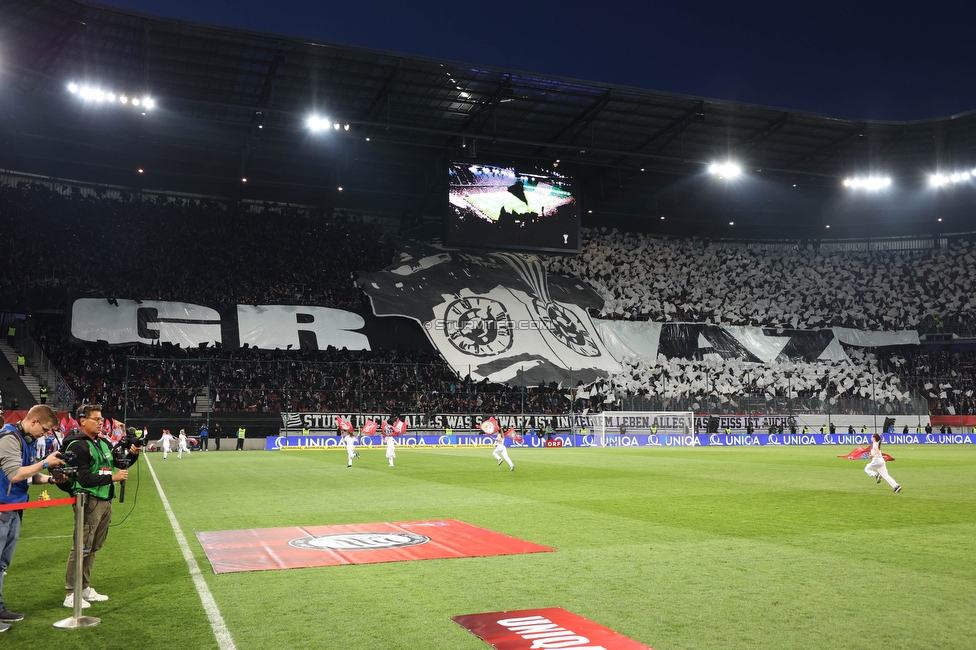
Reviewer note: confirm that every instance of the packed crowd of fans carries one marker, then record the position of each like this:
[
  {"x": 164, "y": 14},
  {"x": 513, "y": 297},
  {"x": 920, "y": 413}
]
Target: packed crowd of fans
[
  {"x": 864, "y": 385},
  {"x": 210, "y": 253},
  {"x": 647, "y": 278},
  {"x": 202, "y": 252},
  {"x": 945, "y": 379},
  {"x": 168, "y": 378}
]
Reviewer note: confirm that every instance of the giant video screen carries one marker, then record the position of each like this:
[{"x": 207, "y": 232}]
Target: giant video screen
[{"x": 510, "y": 207}]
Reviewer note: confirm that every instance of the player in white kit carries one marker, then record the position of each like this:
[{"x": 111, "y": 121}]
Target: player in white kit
[
  {"x": 349, "y": 441},
  {"x": 166, "y": 441},
  {"x": 501, "y": 453},
  {"x": 183, "y": 446},
  {"x": 390, "y": 449},
  {"x": 877, "y": 468}
]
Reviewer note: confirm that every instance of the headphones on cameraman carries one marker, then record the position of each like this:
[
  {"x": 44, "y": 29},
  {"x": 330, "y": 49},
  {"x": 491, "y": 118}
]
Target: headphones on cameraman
[{"x": 28, "y": 437}]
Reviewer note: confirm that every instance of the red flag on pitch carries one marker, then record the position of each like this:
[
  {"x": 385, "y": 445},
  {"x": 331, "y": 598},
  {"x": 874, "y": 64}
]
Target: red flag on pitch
[
  {"x": 514, "y": 436},
  {"x": 344, "y": 425},
  {"x": 863, "y": 453},
  {"x": 369, "y": 428},
  {"x": 489, "y": 426},
  {"x": 387, "y": 429},
  {"x": 399, "y": 427},
  {"x": 857, "y": 454}
]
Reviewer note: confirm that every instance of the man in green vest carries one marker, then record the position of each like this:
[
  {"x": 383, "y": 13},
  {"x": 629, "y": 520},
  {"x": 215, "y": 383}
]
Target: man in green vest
[
  {"x": 21, "y": 365},
  {"x": 11, "y": 335},
  {"x": 306, "y": 432},
  {"x": 240, "y": 438},
  {"x": 93, "y": 459},
  {"x": 43, "y": 395}
]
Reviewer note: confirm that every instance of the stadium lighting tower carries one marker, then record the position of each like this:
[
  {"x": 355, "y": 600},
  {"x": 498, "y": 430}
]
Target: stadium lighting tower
[
  {"x": 317, "y": 124},
  {"x": 93, "y": 94},
  {"x": 869, "y": 183},
  {"x": 938, "y": 179},
  {"x": 727, "y": 170}
]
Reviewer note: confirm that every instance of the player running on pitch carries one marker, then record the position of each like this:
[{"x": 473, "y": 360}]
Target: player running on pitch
[
  {"x": 390, "y": 448},
  {"x": 183, "y": 446},
  {"x": 349, "y": 440},
  {"x": 501, "y": 453},
  {"x": 166, "y": 442},
  {"x": 877, "y": 468}
]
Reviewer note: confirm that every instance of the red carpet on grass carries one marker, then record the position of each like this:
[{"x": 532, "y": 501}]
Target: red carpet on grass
[{"x": 263, "y": 549}]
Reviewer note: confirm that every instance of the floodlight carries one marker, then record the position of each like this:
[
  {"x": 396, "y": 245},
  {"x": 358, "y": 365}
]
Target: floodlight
[
  {"x": 243, "y": 180},
  {"x": 731, "y": 223},
  {"x": 725, "y": 170},
  {"x": 336, "y": 126},
  {"x": 938, "y": 180},
  {"x": 870, "y": 183},
  {"x": 148, "y": 102},
  {"x": 345, "y": 127},
  {"x": 123, "y": 99},
  {"x": 72, "y": 88},
  {"x": 110, "y": 97},
  {"x": 317, "y": 124},
  {"x": 141, "y": 170},
  {"x": 135, "y": 101},
  {"x": 340, "y": 188}
]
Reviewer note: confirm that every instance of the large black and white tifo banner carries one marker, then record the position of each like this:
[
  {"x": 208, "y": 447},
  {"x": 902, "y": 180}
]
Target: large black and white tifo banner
[
  {"x": 748, "y": 344},
  {"x": 497, "y": 316},
  {"x": 124, "y": 322}
]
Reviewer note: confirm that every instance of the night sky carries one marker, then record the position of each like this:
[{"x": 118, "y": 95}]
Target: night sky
[{"x": 866, "y": 60}]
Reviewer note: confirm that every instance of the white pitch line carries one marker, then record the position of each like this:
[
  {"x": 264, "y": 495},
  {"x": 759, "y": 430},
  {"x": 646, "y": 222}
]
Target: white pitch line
[{"x": 224, "y": 639}]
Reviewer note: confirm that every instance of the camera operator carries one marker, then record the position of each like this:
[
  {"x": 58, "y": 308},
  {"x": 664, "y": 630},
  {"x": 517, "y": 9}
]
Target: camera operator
[
  {"x": 92, "y": 456},
  {"x": 16, "y": 442}
]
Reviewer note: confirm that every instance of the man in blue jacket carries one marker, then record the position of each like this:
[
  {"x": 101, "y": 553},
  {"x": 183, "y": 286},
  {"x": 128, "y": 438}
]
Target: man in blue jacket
[{"x": 17, "y": 463}]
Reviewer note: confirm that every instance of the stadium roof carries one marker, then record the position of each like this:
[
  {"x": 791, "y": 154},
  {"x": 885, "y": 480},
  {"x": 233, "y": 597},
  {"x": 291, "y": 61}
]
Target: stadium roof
[{"x": 233, "y": 104}]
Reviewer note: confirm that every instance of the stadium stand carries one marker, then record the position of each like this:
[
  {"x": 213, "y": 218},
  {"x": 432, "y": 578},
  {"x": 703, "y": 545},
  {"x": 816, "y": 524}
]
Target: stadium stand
[
  {"x": 191, "y": 250},
  {"x": 800, "y": 286}
]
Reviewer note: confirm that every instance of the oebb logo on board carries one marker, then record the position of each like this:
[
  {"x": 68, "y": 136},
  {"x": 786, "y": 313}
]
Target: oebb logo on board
[
  {"x": 531, "y": 629},
  {"x": 358, "y": 541},
  {"x": 554, "y": 443}
]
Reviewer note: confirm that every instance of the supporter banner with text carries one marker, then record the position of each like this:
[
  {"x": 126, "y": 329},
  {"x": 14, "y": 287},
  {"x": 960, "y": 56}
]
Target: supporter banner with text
[
  {"x": 669, "y": 422},
  {"x": 300, "y": 327},
  {"x": 566, "y": 441},
  {"x": 748, "y": 344}
]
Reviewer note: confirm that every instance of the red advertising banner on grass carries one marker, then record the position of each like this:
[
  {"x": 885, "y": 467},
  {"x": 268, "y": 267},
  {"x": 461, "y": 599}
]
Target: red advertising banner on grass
[
  {"x": 262, "y": 549},
  {"x": 530, "y": 629}
]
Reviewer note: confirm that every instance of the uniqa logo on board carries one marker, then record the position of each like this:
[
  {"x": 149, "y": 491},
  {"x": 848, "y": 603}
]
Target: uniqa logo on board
[{"x": 358, "y": 541}]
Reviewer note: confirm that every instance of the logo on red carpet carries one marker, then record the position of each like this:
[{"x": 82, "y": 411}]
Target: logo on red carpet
[
  {"x": 358, "y": 541},
  {"x": 530, "y": 629}
]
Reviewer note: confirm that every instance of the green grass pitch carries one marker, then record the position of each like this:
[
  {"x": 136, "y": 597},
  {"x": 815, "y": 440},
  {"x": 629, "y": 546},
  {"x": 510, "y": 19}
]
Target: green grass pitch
[{"x": 676, "y": 548}]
